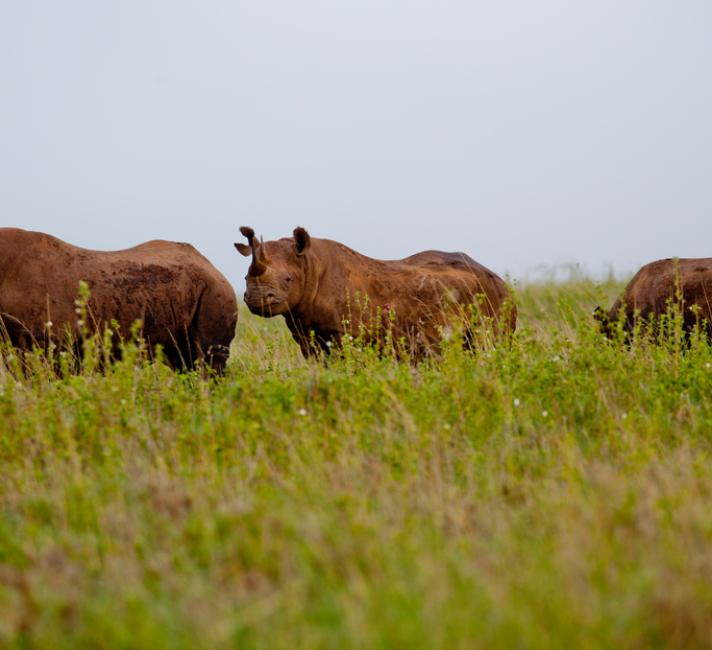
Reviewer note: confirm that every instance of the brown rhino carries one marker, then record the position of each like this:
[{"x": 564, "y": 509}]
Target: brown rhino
[
  {"x": 686, "y": 283},
  {"x": 326, "y": 290},
  {"x": 185, "y": 304}
]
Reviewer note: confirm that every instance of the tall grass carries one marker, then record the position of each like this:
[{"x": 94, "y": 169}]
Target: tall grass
[{"x": 552, "y": 493}]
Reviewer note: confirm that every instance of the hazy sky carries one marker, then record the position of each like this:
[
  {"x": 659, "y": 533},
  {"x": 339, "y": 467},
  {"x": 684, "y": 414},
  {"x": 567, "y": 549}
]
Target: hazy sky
[{"x": 521, "y": 132}]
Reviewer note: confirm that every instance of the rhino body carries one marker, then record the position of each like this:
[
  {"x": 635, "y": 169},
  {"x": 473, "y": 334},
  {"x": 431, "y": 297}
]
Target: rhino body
[{"x": 184, "y": 303}]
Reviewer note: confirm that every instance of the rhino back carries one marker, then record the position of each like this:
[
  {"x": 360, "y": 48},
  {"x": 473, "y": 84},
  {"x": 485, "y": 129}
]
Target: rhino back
[
  {"x": 656, "y": 284},
  {"x": 157, "y": 282}
]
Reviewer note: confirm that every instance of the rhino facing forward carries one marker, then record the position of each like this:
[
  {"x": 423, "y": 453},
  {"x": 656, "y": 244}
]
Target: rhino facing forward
[
  {"x": 326, "y": 290},
  {"x": 185, "y": 304}
]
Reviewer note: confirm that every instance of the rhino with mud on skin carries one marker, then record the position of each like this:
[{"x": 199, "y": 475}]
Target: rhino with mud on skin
[
  {"x": 185, "y": 304},
  {"x": 683, "y": 283},
  {"x": 326, "y": 290}
]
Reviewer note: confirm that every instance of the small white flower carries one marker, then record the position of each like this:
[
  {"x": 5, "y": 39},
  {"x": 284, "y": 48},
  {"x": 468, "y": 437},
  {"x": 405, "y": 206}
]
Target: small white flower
[
  {"x": 78, "y": 310},
  {"x": 544, "y": 413},
  {"x": 302, "y": 411},
  {"x": 48, "y": 323},
  {"x": 516, "y": 401},
  {"x": 328, "y": 344},
  {"x": 624, "y": 416},
  {"x": 708, "y": 365},
  {"x": 80, "y": 323}
]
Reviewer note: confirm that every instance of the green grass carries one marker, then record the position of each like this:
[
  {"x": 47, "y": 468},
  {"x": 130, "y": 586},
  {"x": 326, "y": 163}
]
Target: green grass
[{"x": 552, "y": 494}]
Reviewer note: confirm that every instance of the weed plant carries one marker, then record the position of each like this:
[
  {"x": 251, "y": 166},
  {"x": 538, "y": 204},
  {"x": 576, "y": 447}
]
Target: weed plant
[{"x": 555, "y": 492}]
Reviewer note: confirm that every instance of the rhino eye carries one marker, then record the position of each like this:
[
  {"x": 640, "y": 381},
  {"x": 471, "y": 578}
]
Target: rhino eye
[{"x": 289, "y": 278}]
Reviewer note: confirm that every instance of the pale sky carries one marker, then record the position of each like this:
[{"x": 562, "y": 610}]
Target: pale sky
[{"x": 523, "y": 133}]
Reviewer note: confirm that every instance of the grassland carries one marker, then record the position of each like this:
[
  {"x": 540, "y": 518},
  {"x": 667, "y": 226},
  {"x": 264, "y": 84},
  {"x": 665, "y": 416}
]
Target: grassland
[{"x": 552, "y": 494}]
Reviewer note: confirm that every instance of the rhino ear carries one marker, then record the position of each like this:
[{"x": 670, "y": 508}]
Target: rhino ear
[
  {"x": 244, "y": 249},
  {"x": 302, "y": 240}
]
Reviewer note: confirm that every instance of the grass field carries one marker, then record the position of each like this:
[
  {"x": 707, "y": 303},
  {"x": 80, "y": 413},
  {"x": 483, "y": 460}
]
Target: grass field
[{"x": 552, "y": 494}]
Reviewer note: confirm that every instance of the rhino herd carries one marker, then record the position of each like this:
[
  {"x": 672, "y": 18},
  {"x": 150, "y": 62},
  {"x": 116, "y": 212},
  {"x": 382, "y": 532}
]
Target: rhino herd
[{"x": 325, "y": 291}]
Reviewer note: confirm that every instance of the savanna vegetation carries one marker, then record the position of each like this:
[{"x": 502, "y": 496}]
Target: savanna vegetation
[{"x": 553, "y": 493}]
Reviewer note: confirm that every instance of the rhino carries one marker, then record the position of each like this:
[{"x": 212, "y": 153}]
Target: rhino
[
  {"x": 326, "y": 291},
  {"x": 683, "y": 283},
  {"x": 183, "y": 302}
]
